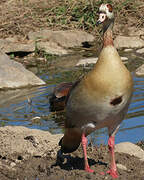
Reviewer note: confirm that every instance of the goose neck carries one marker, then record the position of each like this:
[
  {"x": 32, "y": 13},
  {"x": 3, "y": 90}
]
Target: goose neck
[{"x": 108, "y": 38}]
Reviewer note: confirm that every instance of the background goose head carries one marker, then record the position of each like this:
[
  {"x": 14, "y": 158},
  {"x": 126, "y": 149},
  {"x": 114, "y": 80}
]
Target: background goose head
[{"x": 106, "y": 16}]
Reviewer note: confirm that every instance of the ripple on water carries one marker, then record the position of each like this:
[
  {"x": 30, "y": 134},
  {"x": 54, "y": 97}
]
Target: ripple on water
[{"x": 30, "y": 108}]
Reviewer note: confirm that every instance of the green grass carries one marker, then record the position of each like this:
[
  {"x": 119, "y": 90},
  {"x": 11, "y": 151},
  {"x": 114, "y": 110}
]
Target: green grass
[
  {"x": 83, "y": 14},
  {"x": 21, "y": 17},
  {"x": 77, "y": 14}
]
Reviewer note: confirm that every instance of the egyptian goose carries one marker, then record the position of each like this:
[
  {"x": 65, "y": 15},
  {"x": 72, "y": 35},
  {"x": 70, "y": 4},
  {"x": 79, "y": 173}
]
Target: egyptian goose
[{"x": 98, "y": 100}]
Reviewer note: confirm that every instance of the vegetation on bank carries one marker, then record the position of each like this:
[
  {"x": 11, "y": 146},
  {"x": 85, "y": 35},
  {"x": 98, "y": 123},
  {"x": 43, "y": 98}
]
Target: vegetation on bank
[
  {"x": 20, "y": 17},
  {"x": 83, "y": 14}
]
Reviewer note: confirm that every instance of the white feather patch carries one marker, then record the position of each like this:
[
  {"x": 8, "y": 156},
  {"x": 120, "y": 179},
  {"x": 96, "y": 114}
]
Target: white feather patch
[
  {"x": 89, "y": 125},
  {"x": 105, "y": 9}
]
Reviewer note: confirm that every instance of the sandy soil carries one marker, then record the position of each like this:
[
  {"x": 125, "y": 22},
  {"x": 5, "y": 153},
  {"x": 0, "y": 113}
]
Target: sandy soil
[
  {"x": 31, "y": 154},
  {"x": 44, "y": 168},
  {"x": 18, "y": 18}
]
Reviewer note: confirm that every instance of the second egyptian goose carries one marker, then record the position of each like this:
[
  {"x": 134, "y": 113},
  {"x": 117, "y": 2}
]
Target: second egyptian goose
[{"x": 100, "y": 99}]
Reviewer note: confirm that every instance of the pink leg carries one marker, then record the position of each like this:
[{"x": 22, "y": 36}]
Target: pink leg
[
  {"x": 113, "y": 169},
  {"x": 84, "y": 144}
]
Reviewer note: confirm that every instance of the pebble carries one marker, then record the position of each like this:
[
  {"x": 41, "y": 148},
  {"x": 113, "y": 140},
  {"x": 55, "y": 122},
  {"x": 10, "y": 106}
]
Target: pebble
[
  {"x": 140, "y": 51},
  {"x": 127, "y": 50},
  {"x": 12, "y": 164},
  {"x": 36, "y": 119},
  {"x": 88, "y": 176},
  {"x": 87, "y": 61},
  {"x": 124, "y": 58},
  {"x": 120, "y": 166},
  {"x": 140, "y": 71}
]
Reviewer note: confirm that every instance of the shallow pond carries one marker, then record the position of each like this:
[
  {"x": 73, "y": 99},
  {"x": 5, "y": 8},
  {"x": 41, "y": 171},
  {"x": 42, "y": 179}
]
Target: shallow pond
[{"x": 30, "y": 107}]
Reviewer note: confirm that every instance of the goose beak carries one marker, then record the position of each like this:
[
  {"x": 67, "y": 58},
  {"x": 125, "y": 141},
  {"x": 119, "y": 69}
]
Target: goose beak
[{"x": 98, "y": 22}]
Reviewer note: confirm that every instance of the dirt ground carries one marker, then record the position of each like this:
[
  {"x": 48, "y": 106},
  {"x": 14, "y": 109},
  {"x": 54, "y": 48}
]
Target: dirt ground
[
  {"x": 18, "y": 17},
  {"x": 38, "y": 168}
]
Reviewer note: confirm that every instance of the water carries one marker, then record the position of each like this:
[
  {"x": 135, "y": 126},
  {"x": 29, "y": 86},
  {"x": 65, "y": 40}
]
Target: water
[{"x": 30, "y": 107}]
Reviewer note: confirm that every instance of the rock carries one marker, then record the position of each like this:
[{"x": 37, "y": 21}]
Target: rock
[
  {"x": 19, "y": 142},
  {"x": 124, "y": 58},
  {"x": 12, "y": 164},
  {"x": 127, "y": 50},
  {"x": 87, "y": 61},
  {"x": 140, "y": 51},
  {"x": 122, "y": 167},
  {"x": 52, "y": 42},
  {"x": 51, "y": 48},
  {"x": 140, "y": 71},
  {"x": 10, "y": 45},
  {"x": 12, "y": 39},
  {"x": 62, "y": 38},
  {"x": 128, "y": 42},
  {"x": 131, "y": 149},
  {"x": 133, "y": 31},
  {"x": 14, "y": 75}
]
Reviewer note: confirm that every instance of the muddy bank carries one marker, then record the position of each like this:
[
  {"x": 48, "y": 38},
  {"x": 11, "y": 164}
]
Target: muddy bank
[{"x": 31, "y": 154}]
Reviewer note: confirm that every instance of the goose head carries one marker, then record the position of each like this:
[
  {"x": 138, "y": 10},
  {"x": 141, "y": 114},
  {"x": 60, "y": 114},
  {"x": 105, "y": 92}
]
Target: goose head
[{"x": 106, "y": 16}]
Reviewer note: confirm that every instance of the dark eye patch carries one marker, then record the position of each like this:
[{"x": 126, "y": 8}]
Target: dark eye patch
[
  {"x": 110, "y": 7},
  {"x": 116, "y": 101}
]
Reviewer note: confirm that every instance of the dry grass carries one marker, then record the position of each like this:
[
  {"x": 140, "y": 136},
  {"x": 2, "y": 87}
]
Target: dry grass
[{"x": 18, "y": 17}]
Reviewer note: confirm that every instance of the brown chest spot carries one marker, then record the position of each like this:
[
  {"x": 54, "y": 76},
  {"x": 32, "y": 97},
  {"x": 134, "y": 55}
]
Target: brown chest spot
[{"x": 116, "y": 101}]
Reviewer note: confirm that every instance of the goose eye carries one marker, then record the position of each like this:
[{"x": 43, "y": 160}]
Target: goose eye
[{"x": 102, "y": 17}]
